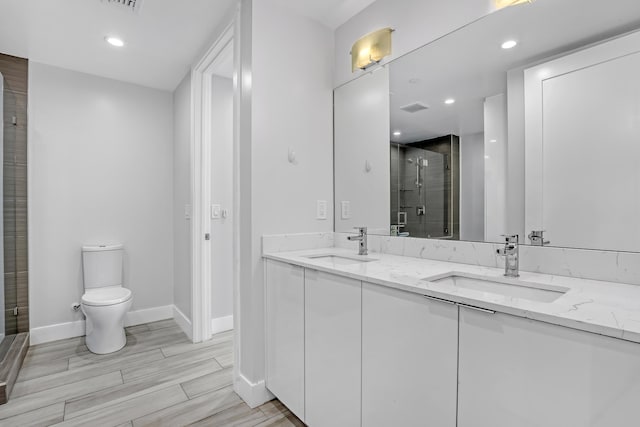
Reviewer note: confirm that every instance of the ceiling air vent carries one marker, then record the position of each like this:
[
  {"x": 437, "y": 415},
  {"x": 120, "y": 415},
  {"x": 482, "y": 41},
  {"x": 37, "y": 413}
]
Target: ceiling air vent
[
  {"x": 132, "y": 5},
  {"x": 414, "y": 107}
]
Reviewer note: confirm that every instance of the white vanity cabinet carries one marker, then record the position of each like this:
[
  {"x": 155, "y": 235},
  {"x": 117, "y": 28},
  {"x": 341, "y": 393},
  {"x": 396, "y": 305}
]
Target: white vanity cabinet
[
  {"x": 285, "y": 334},
  {"x": 332, "y": 350},
  {"x": 409, "y": 359},
  {"x": 518, "y": 372}
]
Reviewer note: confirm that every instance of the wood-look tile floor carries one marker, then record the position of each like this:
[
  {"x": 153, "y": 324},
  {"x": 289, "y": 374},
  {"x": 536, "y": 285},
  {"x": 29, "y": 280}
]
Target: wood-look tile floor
[{"x": 159, "y": 378}]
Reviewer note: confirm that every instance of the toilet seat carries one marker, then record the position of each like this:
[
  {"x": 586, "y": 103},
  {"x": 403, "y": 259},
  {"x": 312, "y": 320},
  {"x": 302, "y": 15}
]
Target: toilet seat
[{"x": 106, "y": 296}]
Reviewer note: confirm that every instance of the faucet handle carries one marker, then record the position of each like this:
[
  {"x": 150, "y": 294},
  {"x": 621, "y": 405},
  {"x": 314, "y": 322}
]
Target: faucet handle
[
  {"x": 511, "y": 238},
  {"x": 537, "y": 237}
]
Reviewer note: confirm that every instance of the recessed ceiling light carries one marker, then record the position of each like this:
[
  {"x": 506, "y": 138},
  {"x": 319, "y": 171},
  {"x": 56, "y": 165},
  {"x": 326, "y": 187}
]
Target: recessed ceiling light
[
  {"x": 114, "y": 41},
  {"x": 397, "y": 133},
  {"x": 509, "y": 44},
  {"x": 449, "y": 101}
]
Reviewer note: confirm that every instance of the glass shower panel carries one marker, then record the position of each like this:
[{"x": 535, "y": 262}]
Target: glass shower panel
[
  {"x": 420, "y": 192},
  {"x": 8, "y": 278}
]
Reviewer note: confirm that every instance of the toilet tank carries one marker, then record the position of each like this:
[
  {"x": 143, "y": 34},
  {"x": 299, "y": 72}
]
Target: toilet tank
[{"x": 102, "y": 265}]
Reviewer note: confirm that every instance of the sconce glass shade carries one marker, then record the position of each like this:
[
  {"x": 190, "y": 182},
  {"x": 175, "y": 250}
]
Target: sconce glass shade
[
  {"x": 500, "y": 4},
  {"x": 370, "y": 49}
]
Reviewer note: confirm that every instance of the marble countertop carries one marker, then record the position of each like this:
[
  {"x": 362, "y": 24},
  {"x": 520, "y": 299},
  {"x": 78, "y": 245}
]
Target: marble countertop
[{"x": 605, "y": 308}]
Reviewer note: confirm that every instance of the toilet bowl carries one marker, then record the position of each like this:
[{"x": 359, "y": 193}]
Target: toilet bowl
[
  {"x": 105, "y": 301},
  {"x": 105, "y": 309}
]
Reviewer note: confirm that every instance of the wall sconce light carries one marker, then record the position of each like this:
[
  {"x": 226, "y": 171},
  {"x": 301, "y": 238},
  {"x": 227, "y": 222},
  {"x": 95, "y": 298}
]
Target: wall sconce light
[
  {"x": 370, "y": 49},
  {"x": 500, "y": 4}
]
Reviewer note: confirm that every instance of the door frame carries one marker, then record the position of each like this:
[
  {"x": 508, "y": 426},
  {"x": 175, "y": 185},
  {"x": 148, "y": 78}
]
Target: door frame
[{"x": 201, "y": 142}]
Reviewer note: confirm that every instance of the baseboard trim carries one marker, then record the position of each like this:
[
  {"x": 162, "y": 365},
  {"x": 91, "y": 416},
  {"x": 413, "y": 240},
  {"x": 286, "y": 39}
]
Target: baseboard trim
[
  {"x": 254, "y": 394},
  {"x": 66, "y": 330},
  {"x": 57, "y": 332},
  {"x": 148, "y": 315},
  {"x": 183, "y": 321},
  {"x": 221, "y": 324}
]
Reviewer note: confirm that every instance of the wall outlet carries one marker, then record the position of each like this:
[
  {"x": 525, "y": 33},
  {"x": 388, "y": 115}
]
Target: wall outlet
[
  {"x": 321, "y": 209},
  {"x": 187, "y": 211},
  {"x": 345, "y": 210}
]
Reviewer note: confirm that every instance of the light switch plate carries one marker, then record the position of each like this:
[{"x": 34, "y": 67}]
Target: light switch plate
[
  {"x": 216, "y": 211},
  {"x": 321, "y": 209},
  {"x": 345, "y": 206}
]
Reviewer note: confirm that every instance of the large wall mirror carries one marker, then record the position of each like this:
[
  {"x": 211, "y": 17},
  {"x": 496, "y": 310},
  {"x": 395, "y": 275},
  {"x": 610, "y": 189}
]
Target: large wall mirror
[{"x": 472, "y": 137}]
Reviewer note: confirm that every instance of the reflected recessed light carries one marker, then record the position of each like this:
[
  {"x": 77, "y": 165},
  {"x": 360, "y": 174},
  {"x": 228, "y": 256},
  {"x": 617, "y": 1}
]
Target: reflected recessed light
[
  {"x": 114, "y": 41},
  {"x": 449, "y": 101},
  {"x": 397, "y": 133},
  {"x": 509, "y": 44},
  {"x": 486, "y": 157},
  {"x": 493, "y": 140},
  {"x": 544, "y": 73}
]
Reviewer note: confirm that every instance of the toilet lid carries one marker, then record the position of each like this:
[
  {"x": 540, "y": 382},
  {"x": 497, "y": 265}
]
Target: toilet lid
[{"x": 106, "y": 296}]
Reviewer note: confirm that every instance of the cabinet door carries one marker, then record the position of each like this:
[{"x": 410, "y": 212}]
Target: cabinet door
[
  {"x": 332, "y": 353},
  {"x": 518, "y": 372},
  {"x": 409, "y": 359},
  {"x": 285, "y": 334}
]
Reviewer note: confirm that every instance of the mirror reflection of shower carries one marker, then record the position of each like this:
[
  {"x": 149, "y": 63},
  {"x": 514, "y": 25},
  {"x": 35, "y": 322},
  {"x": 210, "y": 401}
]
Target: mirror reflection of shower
[{"x": 423, "y": 200}]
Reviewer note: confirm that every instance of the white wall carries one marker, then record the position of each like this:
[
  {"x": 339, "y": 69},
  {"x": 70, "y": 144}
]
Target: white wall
[
  {"x": 495, "y": 168},
  {"x": 515, "y": 153},
  {"x": 291, "y": 58},
  {"x": 182, "y": 196},
  {"x": 361, "y": 132},
  {"x": 222, "y": 194},
  {"x": 100, "y": 170},
  {"x": 472, "y": 187},
  {"x": 416, "y": 23}
]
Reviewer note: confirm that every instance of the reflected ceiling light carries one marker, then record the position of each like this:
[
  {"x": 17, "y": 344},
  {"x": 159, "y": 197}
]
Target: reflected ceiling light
[
  {"x": 509, "y": 44},
  {"x": 544, "y": 73},
  {"x": 494, "y": 140},
  {"x": 114, "y": 41},
  {"x": 506, "y": 3},
  {"x": 397, "y": 133},
  {"x": 371, "y": 49},
  {"x": 449, "y": 101}
]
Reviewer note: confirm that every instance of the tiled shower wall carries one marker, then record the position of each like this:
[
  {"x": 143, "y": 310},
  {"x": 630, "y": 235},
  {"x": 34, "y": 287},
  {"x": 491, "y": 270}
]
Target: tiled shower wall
[
  {"x": 438, "y": 190},
  {"x": 14, "y": 194}
]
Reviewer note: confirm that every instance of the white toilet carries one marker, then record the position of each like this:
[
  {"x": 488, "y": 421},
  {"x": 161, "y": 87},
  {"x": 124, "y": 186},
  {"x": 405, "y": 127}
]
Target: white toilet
[{"x": 105, "y": 302}]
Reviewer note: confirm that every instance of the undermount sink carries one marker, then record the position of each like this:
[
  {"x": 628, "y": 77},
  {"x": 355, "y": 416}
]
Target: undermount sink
[
  {"x": 505, "y": 287},
  {"x": 339, "y": 259}
]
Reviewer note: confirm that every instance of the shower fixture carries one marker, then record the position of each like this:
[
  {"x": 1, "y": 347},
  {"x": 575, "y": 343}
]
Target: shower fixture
[{"x": 420, "y": 163}]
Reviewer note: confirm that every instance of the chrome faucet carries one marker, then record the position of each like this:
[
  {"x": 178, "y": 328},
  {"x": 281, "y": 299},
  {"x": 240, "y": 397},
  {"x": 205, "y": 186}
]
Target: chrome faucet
[
  {"x": 537, "y": 238},
  {"x": 362, "y": 238},
  {"x": 510, "y": 252}
]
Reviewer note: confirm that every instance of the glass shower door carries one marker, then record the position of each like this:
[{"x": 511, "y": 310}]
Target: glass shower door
[{"x": 420, "y": 192}]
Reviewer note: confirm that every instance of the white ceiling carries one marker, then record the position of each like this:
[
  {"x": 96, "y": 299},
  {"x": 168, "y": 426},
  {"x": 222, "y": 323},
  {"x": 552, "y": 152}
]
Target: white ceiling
[
  {"x": 162, "y": 40},
  {"x": 331, "y": 13},
  {"x": 469, "y": 64}
]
